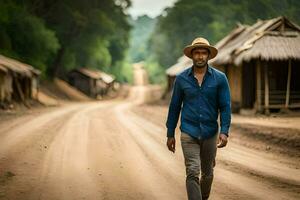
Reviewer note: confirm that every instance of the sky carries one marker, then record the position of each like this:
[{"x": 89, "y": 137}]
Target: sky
[{"x": 151, "y": 8}]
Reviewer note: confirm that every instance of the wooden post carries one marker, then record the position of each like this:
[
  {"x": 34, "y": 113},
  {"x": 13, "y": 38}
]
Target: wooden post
[
  {"x": 258, "y": 86},
  {"x": 288, "y": 85},
  {"x": 19, "y": 89},
  {"x": 267, "y": 110}
]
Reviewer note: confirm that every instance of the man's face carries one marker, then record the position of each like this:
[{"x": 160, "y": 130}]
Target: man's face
[{"x": 200, "y": 57}]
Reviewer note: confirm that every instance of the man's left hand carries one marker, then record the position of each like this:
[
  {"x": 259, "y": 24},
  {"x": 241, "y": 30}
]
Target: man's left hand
[{"x": 222, "y": 140}]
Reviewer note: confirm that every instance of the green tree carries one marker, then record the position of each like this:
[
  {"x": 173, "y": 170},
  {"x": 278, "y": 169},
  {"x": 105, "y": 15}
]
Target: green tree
[
  {"x": 24, "y": 36},
  {"x": 143, "y": 27},
  {"x": 58, "y": 35},
  {"x": 94, "y": 32},
  {"x": 213, "y": 19}
]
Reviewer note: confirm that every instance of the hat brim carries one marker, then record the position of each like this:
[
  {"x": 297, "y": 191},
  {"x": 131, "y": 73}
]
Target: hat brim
[{"x": 188, "y": 50}]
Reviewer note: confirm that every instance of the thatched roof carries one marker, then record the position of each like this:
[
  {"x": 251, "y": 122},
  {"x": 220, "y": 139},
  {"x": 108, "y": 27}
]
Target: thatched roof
[
  {"x": 96, "y": 74},
  {"x": 3, "y": 69},
  {"x": 14, "y": 66},
  {"x": 182, "y": 63},
  {"x": 274, "y": 39}
]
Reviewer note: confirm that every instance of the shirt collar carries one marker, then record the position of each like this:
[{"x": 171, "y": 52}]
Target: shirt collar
[{"x": 209, "y": 70}]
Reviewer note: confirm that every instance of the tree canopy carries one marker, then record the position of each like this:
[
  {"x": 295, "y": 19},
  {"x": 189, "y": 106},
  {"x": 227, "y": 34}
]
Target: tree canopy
[
  {"x": 212, "y": 19},
  {"x": 58, "y": 35}
]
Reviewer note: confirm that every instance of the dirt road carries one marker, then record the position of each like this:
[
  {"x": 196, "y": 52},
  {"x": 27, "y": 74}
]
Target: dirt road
[{"x": 116, "y": 150}]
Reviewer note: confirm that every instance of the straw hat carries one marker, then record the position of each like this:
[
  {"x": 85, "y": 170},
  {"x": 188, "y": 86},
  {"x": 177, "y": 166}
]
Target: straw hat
[{"x": 203, "y": 43}]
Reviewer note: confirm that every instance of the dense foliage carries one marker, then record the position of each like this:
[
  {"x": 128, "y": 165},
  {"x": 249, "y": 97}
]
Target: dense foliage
[
  {"x": 58, "y": 35},
  {"x": 212, "y": 19}
]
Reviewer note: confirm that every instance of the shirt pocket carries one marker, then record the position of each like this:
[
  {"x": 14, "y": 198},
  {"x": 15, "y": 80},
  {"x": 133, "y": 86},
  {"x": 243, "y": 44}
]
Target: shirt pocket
[
  {"x": 190, "y": 92},
  {"x": 211, "y": 91}
]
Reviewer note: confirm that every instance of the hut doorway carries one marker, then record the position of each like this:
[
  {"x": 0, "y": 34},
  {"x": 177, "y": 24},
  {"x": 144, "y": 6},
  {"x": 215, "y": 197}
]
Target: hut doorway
[
  {"x": 278, "y": 83},
  {"x": 295, "y": 84},
  {"x": 248, "y": 85},
  {"x": 277, "y": 72}
]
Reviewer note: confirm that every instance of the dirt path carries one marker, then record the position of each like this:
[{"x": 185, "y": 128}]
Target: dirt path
[
  {"x": 116, "y": 150},
  {"x": 279, "y": 122}
]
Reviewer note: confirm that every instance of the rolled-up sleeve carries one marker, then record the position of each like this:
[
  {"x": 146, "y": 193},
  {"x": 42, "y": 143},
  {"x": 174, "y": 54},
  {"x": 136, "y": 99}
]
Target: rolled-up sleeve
[
  {"x": 174, "y": 108},
  {"x": 224, "y": 105}
]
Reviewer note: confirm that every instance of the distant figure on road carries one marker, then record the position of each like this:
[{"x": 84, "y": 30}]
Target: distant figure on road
[{"x": 200, "y": 93}]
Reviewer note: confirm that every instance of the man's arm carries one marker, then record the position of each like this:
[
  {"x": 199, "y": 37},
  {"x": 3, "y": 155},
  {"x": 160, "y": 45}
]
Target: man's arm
[
  {"x": 174, "y": 108},
  {"x": 173, "y": 115},
  {"x": 225, "y": 110}
]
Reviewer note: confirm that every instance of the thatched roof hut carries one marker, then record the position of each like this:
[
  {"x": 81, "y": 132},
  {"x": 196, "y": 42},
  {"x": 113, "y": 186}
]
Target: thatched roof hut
[
  {"x": 17, "y": 67},
  {"x": 255, "y": 42},
  {"x": 17, "y": 80},
  {"x": 97, "y": 74},
  {"x": 260, "y": 62},
  {"x": 91, "y": 81}
]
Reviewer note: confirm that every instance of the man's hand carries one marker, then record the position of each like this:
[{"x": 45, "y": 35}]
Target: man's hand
[
  {"x": 171, "y": 142},
  {"x": 222, "y": 140}
]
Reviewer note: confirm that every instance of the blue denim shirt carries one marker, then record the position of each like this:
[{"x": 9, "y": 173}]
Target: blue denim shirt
[{"x": 200, "y": 105}]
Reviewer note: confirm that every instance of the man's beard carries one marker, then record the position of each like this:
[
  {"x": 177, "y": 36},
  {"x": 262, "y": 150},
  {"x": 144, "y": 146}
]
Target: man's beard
[{"x": 200, "y": 64}]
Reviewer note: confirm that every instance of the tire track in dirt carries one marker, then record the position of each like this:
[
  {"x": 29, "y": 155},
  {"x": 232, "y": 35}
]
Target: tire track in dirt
[
  {"x": 17, "y": 132},
  {"x": 23, "y": 156},
  {"x": 142, "y": 174},
  {"x": 107, "y": 150},
  {"x": 66, "y": 172}
]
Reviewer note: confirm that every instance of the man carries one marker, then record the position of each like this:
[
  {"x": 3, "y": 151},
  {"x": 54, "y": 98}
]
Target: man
[{"x": 200, "y": 93}]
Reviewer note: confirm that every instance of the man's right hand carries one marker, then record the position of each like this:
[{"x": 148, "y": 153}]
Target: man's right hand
[{"x": 171, "y": 142}]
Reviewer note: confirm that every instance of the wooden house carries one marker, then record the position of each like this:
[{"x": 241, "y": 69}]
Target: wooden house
[
  {"x": 262, "y": 65},
  {"x": 18, "y": 81},
  {"x": 93, "y": 83}
]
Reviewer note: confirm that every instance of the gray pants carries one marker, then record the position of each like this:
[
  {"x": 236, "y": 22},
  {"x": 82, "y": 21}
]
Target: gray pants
[{"x": 199, "y": 154}]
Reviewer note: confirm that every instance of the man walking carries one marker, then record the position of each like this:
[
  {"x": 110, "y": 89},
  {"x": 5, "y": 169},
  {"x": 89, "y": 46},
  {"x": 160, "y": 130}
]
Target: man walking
[{"x": 200, "y": 93}]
